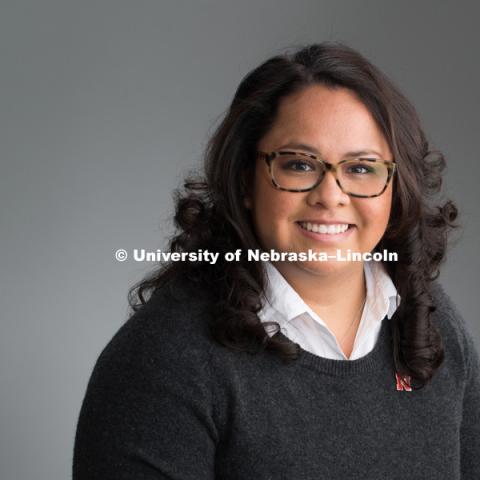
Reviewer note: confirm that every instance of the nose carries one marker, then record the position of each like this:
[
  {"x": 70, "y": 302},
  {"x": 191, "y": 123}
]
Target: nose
[{"x": 327, "y": 194}]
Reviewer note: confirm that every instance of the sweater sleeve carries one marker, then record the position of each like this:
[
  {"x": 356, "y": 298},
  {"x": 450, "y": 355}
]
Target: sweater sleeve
[
  {"x": 147, "y": 412},
  {"x": 470, "y": 428}
]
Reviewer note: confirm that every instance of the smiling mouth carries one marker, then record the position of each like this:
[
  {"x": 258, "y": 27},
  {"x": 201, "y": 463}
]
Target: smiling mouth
[{"x": 328, "y": 229}]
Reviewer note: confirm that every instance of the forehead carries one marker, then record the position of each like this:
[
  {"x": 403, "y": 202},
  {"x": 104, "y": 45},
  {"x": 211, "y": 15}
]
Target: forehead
[{"x": 333, "y": 121}]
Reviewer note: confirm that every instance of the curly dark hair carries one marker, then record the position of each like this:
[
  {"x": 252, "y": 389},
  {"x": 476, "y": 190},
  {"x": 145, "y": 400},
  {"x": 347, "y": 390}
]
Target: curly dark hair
[{"x": 210, "y": 212}]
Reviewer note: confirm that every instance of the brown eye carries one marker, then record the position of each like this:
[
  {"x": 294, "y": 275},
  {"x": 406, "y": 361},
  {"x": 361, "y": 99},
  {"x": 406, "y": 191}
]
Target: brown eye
[
  {"x": 359, "y": 168},
  {"x": 298, "y": 165}
]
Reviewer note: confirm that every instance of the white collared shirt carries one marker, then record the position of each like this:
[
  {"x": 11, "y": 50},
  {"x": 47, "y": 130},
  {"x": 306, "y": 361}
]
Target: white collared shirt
[{"x": 302, "y": 325}]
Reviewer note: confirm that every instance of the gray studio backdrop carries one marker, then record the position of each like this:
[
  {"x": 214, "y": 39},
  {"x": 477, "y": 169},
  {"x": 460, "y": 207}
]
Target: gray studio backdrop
[{"x": 105, "y": 105}]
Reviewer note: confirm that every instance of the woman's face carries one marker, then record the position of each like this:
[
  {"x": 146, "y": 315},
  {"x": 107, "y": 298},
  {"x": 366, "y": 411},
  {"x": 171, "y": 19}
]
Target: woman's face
[{"x": 329, "y": 123}]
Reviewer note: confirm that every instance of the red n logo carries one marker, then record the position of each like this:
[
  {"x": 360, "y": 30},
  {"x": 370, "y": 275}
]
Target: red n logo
[{"x": 403, "y": 383}]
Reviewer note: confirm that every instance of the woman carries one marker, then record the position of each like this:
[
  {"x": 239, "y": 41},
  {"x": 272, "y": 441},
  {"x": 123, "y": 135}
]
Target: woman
[{"x": 300, "y": 369}]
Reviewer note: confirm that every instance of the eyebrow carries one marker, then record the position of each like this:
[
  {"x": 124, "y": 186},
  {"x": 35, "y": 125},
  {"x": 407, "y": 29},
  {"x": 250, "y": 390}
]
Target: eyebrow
[{"x": 310, "y": 148}]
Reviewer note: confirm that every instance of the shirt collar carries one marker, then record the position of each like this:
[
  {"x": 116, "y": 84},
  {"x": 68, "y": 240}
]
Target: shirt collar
[
  {"x": 382, "y": 296},
  {"x": 280, "y": 297}
]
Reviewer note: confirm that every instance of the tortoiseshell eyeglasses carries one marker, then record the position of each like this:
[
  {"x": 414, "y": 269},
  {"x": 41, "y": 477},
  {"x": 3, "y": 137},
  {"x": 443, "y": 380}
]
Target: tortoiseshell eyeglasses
[{"x": 295, "y": 171}]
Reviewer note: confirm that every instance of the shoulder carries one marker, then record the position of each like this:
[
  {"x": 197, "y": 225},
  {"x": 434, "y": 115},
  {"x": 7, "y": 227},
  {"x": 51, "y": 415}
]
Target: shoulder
[
  {"x": 150, "y": 394},
  {"x": 167, "y": 334},
  {"x": 447, "y": 315},
  {"x": 456, "y": 335}
]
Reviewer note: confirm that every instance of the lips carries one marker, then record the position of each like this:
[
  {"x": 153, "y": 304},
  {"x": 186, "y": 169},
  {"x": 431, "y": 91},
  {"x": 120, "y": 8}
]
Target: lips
[
  {"x": 327, "y": 232},
  {"x": 330, "y": 228},
  {"x": 324, "y": 222},
  {"x": 325, "y": 226}
]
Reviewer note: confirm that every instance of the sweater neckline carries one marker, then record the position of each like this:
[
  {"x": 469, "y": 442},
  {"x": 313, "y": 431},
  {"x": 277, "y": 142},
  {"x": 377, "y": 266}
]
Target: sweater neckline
[{"x": 370, "y": 362}]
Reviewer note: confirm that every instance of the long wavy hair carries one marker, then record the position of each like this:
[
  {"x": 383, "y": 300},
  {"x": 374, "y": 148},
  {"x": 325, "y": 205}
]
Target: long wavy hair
[{"x": 210, "y": 211}]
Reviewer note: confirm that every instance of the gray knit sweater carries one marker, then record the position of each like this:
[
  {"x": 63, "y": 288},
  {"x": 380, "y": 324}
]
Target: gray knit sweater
[{"x": 165, "y": 401}]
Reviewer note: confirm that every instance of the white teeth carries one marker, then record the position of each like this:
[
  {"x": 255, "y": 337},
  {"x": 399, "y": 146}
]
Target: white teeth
[{"x": 322, "y": 228}]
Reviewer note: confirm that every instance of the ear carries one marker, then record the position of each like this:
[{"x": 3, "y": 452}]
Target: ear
[{"x": 247, "y": 202}]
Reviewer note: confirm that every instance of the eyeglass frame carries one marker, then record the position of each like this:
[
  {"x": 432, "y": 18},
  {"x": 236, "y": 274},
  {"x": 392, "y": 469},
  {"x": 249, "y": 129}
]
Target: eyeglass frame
[{"x": 328, "y": 167}]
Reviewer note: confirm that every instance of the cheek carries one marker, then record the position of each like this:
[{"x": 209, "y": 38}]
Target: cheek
[
  {"x": 376, "y": 213},
  {"x": 276, "y": 207},
  {"x": 274, "y": 213}
]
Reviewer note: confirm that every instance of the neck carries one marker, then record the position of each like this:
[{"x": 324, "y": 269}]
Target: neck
[{"x": 335, "y": 296}]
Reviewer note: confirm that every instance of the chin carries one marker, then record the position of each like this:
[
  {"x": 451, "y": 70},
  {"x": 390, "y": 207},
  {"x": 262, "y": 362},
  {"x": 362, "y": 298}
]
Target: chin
[{"x": 324, "y": 268}]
